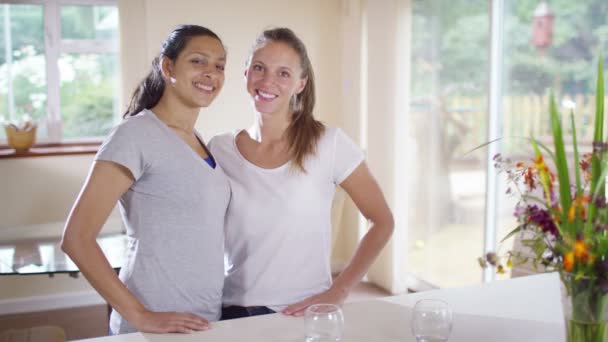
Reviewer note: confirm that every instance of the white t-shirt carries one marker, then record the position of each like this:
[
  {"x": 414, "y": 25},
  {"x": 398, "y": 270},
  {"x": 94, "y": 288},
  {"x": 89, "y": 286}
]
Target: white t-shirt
[{"x": 278, "y": 223}]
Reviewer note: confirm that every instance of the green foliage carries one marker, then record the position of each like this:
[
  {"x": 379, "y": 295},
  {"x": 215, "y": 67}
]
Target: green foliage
[
  {"x": 27, "y": 28},
  {"x": 77, "y": 22},
  {"x": 87, "y": 100},
  {"x": 561, "y": 163},
  {"x": 88, "y": 111},
  {"x": 23, "y": 102},
  {"x": 575, "y": 41},
  {"x": 451, "y": 38},
  {"x": 81, "y": 22}
]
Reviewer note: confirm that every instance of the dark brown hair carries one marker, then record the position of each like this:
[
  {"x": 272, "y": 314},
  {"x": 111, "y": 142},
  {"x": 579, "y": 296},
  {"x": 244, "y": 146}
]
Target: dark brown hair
[
  {"x": 304, "y": 131},
  {"x": 151, "y": 88}
]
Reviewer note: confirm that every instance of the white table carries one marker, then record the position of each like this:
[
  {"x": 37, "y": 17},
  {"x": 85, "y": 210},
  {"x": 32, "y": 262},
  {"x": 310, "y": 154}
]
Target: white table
[{"x": 523, "y": 309}]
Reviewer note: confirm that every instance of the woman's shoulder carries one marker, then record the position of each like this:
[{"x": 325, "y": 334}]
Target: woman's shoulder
[
  {"x": 329, "y": 135},
  {"x": 330, "y": 131},
  {"x": 336, "y": 141},
  {"x": 138, "y": 131},
  {"x": 223, "y": 140},
  {"x": 141, "y": 123}
]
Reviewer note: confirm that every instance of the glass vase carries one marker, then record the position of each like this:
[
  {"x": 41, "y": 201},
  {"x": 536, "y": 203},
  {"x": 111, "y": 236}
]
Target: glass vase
[{"x": 584, "y": 309}]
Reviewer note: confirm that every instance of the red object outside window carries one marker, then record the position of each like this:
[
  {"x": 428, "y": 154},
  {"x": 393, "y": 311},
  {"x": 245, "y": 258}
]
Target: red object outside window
[{"x": 542, "y": 26}]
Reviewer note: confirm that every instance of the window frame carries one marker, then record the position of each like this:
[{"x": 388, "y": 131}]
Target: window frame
[{"x": 54, "y": 46}]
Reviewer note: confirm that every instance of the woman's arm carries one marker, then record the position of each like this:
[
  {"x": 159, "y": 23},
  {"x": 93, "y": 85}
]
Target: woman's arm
[
  {"x": 105, "y": 184},
  {"x": 365, "y": 192}
]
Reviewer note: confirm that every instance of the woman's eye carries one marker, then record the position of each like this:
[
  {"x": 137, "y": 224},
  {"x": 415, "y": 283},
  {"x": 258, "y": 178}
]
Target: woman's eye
[
  {"x": 285, "y": 74},
  {"x": 257, "y": 68},
  {"x": 199, "y": 61},
  {"x": 220, "y": 67}
]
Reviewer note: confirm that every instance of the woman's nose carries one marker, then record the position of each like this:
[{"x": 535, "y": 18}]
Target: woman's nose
[
  {"x": 267, "y": 78},
  {"x": 212, "y": 72}
]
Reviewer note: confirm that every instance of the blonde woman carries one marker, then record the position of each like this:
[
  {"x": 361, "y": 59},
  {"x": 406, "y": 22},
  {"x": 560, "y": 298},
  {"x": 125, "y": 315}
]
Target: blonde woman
[{"x": 283, "y": 172}]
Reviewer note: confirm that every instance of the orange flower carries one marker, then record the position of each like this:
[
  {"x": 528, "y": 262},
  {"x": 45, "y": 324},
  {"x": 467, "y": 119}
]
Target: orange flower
[
  {"x": 529, "y": 178},
  {"x": 569, "y": 261},
  {"x": 572, "y": 212},
  {"x": 546, "y": 176},
  {"x": 578, "y": 203},
  {"x": 581, "y": 251},
  {"x": 541, "y": 166}
]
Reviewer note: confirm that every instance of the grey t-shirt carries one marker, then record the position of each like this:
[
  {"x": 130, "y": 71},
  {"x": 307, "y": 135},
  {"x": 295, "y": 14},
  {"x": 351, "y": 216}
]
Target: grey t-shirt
[{"x": 174, "y": 217}]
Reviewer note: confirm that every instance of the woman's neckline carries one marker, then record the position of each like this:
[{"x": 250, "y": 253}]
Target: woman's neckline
[
  {"x": 181, "y": 142},
  {"x": 250, "y": 163}
]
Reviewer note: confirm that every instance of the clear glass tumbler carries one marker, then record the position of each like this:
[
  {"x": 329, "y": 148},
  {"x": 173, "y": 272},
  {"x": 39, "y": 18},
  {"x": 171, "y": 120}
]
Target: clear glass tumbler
[
  {"x": 431, "y": 321},
  {"x": 324, "y": 323}
]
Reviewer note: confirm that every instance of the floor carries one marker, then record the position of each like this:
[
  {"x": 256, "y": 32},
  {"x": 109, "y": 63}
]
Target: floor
[{"x": 447, "y": 255}]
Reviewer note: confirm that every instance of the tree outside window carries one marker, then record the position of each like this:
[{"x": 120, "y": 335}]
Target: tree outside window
[{"x": 66, "y": 78}]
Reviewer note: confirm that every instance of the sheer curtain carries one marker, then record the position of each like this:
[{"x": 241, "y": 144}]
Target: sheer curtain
[
  {"x": 419, "y": 107},
  {"x": 374, "y": 108}
]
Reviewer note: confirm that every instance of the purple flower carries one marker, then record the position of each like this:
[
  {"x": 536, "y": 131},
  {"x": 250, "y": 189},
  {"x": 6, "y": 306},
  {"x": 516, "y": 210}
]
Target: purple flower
[
  {"x": 520, "y": 211},
  {"x": 600, "y": 202},
  {"x": 603, "y": 285},
  {"x": 553, "y": 198},
  {"x": 599, "y": 146},
  {"x": 492, "y": 258},
  {"x": 602, "y": 268},
  {"x": 601, "y": 228},
  {"x": 542, "y": 219}
]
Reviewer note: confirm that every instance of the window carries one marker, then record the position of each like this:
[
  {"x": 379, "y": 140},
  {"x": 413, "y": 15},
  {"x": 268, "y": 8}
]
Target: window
[
  {"x": 59, "y": 64},
  {"x": 449, "y": 114},
  {"x": 448, "y": 109}
]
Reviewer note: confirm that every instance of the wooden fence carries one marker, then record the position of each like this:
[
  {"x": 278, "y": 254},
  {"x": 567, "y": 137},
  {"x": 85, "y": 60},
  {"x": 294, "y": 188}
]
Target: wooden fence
[{"x": 465, "y": 118}]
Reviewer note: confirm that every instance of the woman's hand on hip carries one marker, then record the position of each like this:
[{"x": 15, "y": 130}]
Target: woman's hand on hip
[
  {"x": 331, "y": 296},
  {"x": 170, "y": 322}
]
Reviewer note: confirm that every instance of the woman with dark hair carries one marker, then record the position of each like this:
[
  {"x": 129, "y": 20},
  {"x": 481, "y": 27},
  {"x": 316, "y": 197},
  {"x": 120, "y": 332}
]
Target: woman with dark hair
[
  {"x": 172, "y": 197},
  {"x": 283, "y": 173}
]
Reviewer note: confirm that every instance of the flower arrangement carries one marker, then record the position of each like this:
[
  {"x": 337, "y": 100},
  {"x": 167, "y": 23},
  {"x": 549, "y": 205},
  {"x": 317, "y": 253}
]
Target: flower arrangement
[{"x": 564, "y": 219}]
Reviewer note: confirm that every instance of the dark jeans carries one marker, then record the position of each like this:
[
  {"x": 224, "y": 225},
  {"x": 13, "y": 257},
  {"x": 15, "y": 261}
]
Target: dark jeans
[{"x": 232, "y": 312}]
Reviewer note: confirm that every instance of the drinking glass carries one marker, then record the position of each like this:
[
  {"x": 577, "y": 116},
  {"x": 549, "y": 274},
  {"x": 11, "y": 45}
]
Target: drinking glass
[
  {"x": 431, "y": 321},
  {"x": 324, "y": 323}
]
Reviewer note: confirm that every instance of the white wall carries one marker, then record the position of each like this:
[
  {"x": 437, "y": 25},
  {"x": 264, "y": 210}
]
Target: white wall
[
  {"x": 39, "y": 190},
  {"x": 237, "y": 22}
]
